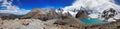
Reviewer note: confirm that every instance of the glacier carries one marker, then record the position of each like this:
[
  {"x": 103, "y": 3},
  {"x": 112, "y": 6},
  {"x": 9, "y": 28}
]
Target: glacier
[{"x": 97, "y": 6}]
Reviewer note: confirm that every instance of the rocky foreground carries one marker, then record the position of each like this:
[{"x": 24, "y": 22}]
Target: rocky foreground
[
  {"x": 50, "y": 24},
  {"x": 31, "y": 24}
]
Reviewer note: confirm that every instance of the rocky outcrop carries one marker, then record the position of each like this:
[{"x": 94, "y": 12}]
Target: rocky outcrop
[
  {"x": 82, "y": 14},
  {"x": 110, "y": 13},
  {"x": 67, "y": 14},
  {"x": 52, "y": 14}
]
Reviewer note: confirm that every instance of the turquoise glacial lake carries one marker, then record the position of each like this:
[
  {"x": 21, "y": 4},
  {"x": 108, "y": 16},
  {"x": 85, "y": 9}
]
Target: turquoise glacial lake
[{"x": 91, "y": 21}]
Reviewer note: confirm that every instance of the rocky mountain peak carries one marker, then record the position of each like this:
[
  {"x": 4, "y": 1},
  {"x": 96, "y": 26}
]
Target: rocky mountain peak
[
  {"x": 110, "y": 13},
  {"x": 82, "y": 14},
  {"x": 38, "y": 10},
  {"x": 35, "y": 13}
]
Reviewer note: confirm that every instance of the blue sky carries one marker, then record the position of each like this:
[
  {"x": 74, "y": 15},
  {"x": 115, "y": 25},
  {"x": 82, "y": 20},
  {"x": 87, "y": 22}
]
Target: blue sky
[
  {"x": 117, "y": 2},
  {"x": 30, "y": 4}
]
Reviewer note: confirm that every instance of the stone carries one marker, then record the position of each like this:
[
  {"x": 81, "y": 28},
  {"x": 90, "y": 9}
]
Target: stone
[{"x": 59, "y": 27}]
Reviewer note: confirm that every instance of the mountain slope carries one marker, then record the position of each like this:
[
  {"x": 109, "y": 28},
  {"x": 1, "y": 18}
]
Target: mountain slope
[
  {"x": 35, "y": 13},
  {"x": 9, "y": 16}
]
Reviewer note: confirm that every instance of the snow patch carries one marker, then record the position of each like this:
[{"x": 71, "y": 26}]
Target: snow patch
[{"x": 94, "y": 15}]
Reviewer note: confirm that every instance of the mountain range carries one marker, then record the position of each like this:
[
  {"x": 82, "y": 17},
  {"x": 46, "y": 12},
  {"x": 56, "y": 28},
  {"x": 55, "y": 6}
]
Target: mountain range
[{"x": 42, "y": 14}]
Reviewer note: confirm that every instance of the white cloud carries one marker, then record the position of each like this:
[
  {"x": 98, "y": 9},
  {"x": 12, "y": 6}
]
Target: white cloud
[
  {"x": 12, "y": 8},
  {"x": 98, "y": 5}
]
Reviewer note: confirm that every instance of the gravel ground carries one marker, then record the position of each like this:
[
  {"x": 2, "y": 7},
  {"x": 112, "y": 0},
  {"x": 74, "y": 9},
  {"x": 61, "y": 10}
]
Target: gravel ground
[{"x": 31, "y": 24}]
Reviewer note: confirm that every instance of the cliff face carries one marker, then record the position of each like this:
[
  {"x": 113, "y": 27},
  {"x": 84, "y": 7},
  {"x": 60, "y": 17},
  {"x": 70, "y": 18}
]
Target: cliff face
[
  {"x": 82, "y": 14},
  {"x": 52, "y": 14},
  {"x": 110, "y": 13}
]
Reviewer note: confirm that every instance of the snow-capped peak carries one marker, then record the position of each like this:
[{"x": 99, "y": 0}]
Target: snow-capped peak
[{"x": 97, "y": 6}]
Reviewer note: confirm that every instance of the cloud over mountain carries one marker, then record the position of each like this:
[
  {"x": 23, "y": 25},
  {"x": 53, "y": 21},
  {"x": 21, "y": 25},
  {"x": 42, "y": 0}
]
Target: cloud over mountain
[
  {"x": 10, "y": 8},
  {"x": 93, "y": 5}
]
